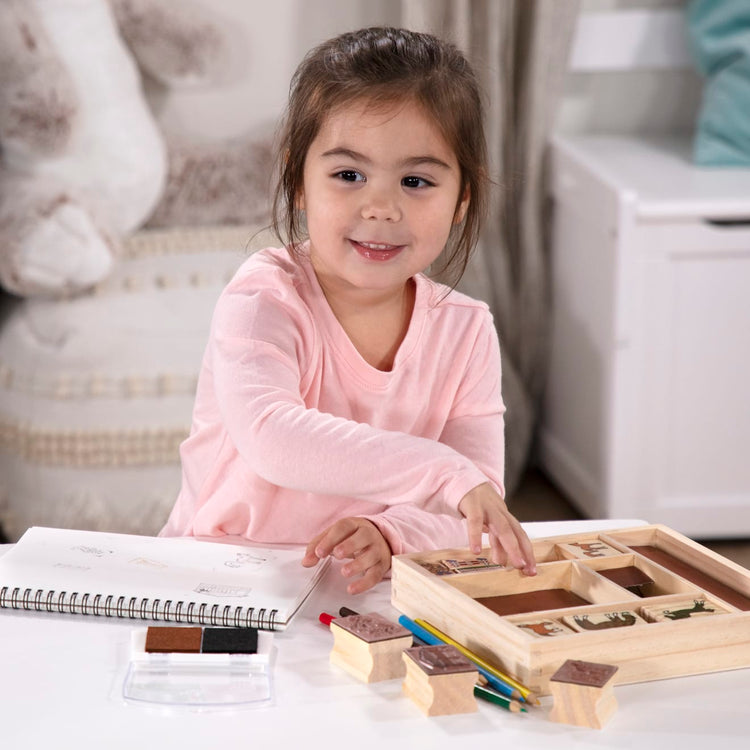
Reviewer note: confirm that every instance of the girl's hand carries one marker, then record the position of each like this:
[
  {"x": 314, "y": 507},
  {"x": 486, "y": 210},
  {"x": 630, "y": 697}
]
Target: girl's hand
[
  {"x": 485, "y": 510},
  {"x": 359, "y": 540}
]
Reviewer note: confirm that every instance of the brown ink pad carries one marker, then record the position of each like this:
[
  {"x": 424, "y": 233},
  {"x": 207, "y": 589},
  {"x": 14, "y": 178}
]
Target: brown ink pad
[
  {"x": 708, "y": 583},
  {"x": 173, "y": 640},
  {"x": 532, "y": 601},
  {"x": 629, "y": 577}
]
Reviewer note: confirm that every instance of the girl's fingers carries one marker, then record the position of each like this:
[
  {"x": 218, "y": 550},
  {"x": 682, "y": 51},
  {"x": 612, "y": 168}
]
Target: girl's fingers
[
  {"x": 372, "y": 576},
  {"x": 359, "y": 541},
  {"x": 508, "y": 533},
  {"x": 324, "y": 543},
  {"x": 311, "y": 557},
  {"x": 499, "y": 556},
  {"x": 483, "y": 508},
  {"x": 351, "y": 547},
  {"x": 474, "y": 525},
  {"x": 524, "y": 545},
  {"x": 336, "y": 536},
  {"x": 501, "y": 530},
  {"x": 528, "y": 552},
  {"x": 367, "y": 558}
]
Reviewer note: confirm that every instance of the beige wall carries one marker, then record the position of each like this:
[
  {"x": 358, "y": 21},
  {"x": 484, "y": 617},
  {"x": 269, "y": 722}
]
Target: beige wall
[
  {"x": 270, "y": 37},
  {"x": 268, "y": 40}
]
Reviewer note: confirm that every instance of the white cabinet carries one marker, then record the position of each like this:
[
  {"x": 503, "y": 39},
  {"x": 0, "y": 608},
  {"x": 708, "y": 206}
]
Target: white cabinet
[{"x": 647, "y": 406}]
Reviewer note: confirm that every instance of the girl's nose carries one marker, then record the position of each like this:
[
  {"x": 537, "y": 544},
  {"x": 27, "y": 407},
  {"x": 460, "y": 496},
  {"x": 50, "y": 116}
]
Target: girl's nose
[{"x": 381, "y": 205}]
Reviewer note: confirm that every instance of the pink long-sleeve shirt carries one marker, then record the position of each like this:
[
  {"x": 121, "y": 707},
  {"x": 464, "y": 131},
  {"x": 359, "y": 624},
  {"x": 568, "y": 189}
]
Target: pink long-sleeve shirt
[{"x": 292, "y": 429}]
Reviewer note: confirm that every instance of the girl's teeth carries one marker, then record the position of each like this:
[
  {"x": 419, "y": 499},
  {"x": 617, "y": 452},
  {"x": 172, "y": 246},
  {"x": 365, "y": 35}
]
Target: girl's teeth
[{"x": 372, "y": 246}]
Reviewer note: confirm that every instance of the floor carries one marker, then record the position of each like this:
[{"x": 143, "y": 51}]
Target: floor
[{"x": 537, "y": 499}]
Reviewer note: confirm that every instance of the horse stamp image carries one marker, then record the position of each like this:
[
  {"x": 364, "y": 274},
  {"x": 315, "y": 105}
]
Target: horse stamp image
[{"x": 603, "y": 621}]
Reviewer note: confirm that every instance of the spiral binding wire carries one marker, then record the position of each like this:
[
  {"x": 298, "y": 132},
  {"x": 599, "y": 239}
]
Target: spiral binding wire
[{"x": 136, "y": 609}]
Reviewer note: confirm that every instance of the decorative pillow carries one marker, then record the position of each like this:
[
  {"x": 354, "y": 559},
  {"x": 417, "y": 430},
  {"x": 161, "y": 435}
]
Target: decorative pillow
[
  {"x": 719, "y": 33},
  {"x": 96, "y": 392}
]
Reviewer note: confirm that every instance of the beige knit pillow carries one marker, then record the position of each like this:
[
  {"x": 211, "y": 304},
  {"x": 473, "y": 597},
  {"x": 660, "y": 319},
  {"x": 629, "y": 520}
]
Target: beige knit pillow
[{"x": 96, "y": 392}]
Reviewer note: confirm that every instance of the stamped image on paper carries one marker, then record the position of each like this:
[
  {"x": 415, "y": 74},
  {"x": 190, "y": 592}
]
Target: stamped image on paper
[
  {"x": 222, "y": 590},
  {"x": 249, "y": 560}
]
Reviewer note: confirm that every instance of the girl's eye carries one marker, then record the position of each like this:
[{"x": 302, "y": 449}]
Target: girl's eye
[
  {"x": 350, "y": 175},
  {"x": 415, "y": 182}
]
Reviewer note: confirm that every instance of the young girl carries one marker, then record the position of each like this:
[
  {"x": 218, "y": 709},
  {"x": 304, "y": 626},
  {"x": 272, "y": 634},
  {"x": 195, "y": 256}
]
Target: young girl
[{"x": 345, "y": 400}]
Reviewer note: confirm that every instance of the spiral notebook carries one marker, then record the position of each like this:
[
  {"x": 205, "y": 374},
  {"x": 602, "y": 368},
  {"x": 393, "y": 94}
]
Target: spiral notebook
[{"x": 179, "y": 579}]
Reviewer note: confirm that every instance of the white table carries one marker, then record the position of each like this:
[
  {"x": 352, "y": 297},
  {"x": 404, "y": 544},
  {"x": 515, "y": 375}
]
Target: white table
[{"x": 62, "y": 677}]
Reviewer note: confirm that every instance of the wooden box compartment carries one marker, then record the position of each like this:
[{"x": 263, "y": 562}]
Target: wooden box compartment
[{"x": 496, "y": 612}]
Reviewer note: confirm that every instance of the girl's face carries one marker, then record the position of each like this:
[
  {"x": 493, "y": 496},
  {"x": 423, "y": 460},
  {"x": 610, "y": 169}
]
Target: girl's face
[{"x": 381, "y": 193}]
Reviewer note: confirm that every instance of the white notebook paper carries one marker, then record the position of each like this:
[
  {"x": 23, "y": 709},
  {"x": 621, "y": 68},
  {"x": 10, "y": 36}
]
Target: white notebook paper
[{"x": 177, "y": 579}]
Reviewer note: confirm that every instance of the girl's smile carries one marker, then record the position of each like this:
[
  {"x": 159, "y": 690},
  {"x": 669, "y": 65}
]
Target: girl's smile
[{"x": 376, "y": 251}]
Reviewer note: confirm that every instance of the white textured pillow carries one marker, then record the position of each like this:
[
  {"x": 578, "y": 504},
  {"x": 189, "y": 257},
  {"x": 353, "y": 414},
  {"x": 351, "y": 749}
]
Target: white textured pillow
[{"x": 96, "y": 392}]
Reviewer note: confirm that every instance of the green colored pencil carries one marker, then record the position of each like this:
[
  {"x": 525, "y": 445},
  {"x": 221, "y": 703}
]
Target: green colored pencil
[{"x": 491, "y": 696}]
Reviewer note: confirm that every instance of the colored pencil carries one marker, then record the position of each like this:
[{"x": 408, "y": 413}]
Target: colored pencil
[
  {"x": 431, "y": 639},
  {"x": 522, "y": 691},
  {"x": 491, "y": 696}
]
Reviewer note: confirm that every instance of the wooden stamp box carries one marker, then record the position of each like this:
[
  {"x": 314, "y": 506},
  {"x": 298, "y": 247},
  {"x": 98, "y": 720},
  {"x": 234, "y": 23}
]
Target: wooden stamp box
[{"x": 646, "y": 599}]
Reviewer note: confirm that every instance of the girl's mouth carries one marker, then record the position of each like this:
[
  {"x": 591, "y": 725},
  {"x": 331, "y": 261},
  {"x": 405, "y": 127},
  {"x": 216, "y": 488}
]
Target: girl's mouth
[{"x": 376, "y": 251}]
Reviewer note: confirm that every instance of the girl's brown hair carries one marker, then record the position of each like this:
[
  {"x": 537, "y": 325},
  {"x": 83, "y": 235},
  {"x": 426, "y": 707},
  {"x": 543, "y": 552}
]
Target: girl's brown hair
[{"x": 383, "y": 65}]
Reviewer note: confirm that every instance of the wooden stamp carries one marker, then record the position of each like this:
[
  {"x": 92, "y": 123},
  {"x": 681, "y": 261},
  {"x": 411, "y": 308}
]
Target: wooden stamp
[
  {"x": 682, "y": 610},
  {"x": 586, "y": 623},
  {"x": 583, "y": 694},
  {"x": 544, "y": 628},
  {"x": 452, "y": 565},
  {"x": 588, "y": 550},
  {"x": 440, "y": 680},
  {"x": 470, "y": 565},
  {"x": 437, "y": 568},
  {"x": 369, "y": 646}
]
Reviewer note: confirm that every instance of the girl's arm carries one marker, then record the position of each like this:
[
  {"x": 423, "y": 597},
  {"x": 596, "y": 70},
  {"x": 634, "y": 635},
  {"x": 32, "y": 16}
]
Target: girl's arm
[
  {"x": 408, "y": 528},
  {"x": 366, "y": 543},
  {"x": 476, "y": 429},
  {"x": 257, "y": 371},
  {"x": 290, "y": 445},
  {"x": 476, "y": 424}
]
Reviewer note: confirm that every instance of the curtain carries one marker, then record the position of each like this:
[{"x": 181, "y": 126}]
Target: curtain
[{"x": 519, "y": 49}]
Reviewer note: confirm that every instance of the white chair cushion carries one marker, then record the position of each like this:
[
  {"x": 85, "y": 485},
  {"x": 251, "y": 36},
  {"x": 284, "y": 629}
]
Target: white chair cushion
[{"x": 96, "y": 392}]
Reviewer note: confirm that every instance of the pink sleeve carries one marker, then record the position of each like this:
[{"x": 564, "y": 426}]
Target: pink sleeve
[
  {"x": 476, "y": 426},
  {"x": 257, "y": 385},
  {"x": 475, "y": 429},
  {"x": 408, "y": 528}
]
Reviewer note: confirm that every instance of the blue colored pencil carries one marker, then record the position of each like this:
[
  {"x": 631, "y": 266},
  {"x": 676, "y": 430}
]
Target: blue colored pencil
[{"x": 433, "y": 640}]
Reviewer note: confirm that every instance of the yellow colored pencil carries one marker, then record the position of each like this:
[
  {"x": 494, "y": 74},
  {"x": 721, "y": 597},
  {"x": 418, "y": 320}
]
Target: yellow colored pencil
[{"x": 522, "y": 689}]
